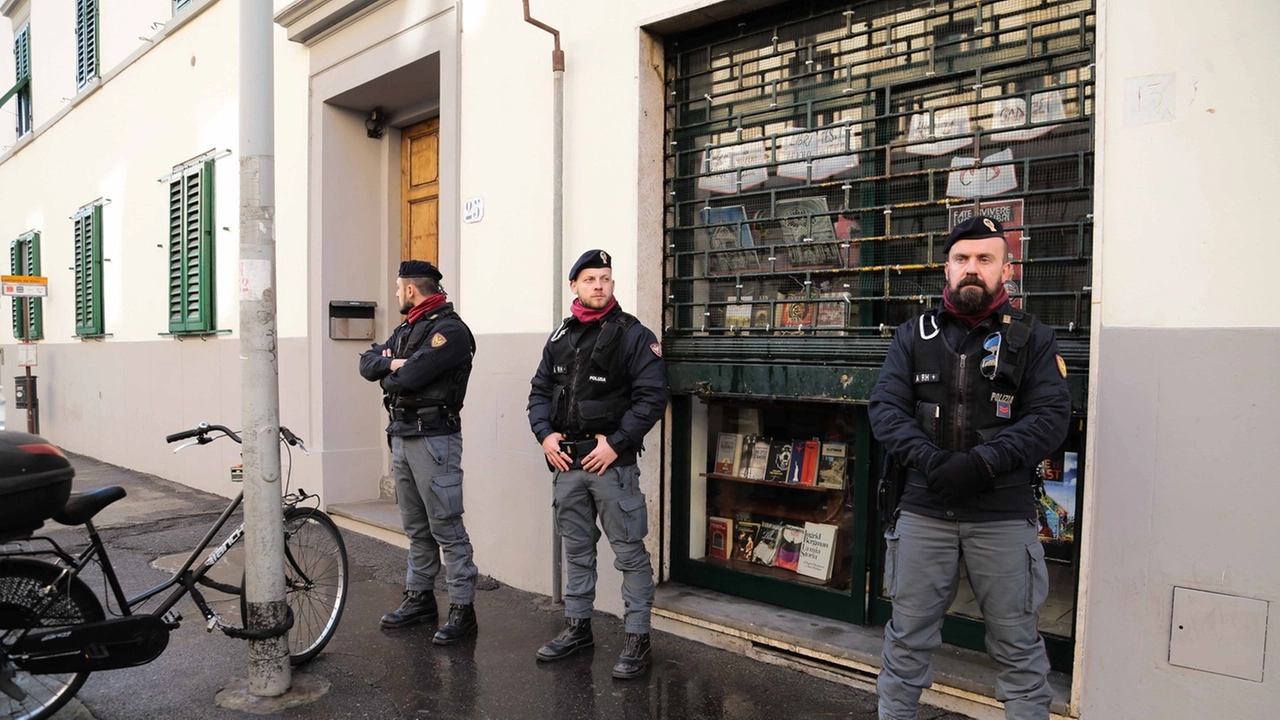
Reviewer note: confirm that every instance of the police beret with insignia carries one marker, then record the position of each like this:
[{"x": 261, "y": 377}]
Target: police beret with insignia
[
  {"x": 590, "y": 259},
  {"x": 419, "y": 268},
  {"x": 975, "y": 228}
]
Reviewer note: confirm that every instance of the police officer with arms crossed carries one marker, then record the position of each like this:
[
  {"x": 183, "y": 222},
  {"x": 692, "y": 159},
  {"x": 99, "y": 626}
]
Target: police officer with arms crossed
[
  {"x": 423, "y": 369},
  {"x": 971, "y": 398},
  {"x": 600, "y": 388}
]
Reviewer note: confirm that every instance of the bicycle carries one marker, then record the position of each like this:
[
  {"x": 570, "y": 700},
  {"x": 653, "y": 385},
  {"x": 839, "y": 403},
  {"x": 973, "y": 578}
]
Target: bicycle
[{"x": 54, "y": 631}]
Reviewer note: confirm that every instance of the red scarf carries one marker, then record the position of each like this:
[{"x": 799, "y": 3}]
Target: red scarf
[
  {"x": 1002, "y": 296},
  {"x": 426, "y": 306},
  {"x": 587, "y": 315}
]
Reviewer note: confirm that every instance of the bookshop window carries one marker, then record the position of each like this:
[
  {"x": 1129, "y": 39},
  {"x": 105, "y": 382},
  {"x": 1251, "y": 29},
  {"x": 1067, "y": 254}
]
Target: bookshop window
[
  {"x": 818, "y": 157},
  {"x": 772, "y": 495}
]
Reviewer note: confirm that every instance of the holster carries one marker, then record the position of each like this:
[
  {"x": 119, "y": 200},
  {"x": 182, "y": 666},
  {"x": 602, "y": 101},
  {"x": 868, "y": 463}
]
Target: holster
[
  {"x": 889, "y": 491},
  {"x": 576, "y": 450}
]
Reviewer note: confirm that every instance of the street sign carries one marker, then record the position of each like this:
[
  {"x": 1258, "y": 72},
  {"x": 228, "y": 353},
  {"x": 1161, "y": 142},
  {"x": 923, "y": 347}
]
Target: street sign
[{"x": 24, "y": 285}]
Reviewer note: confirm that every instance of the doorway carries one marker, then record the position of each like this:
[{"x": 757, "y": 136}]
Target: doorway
[{"x": 420, "y": 192}]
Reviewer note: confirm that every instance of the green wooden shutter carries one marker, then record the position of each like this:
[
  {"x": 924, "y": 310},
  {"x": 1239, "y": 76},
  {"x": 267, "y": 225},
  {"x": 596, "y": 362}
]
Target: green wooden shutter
[
  {"x": 88, "y": 251},
  {"x": 24, "y": 259},
  {"x": 86, "y": 41},
  {"x": 22, "y": 68},
  {"x": 191, "y": 251}
]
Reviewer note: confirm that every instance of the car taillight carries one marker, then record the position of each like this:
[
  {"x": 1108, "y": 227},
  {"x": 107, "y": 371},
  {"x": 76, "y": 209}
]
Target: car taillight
[{"x": 42, "y": 449}]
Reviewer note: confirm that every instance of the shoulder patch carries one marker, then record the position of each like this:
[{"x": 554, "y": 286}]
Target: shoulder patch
[
  {"x": 656, "y": 348},
  {"x": 1062, "y": 365},
  {"x": 438, "y": 340}
]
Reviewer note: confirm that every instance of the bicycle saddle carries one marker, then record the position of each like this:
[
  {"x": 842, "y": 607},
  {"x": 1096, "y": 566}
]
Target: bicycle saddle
[{"x": 81, "y": 507}]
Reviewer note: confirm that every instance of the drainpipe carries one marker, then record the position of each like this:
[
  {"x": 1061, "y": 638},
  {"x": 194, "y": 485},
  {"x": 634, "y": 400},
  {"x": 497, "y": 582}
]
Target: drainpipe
[{"x": 557, "y": 235}]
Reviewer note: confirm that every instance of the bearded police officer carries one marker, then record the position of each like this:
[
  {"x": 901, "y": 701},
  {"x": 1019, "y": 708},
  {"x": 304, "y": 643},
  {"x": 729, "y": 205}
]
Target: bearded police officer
[
  {"x": 423, "y": 369},
  {"x": 600, "y": 388},
  {"x": 971, "y": 398}
]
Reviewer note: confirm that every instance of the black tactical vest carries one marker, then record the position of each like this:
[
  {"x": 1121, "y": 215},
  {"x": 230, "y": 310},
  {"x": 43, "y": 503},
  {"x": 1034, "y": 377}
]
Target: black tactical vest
[
  {"x": 592, "y": 391},
  {"x": 449, "y": 389},
  {"x": 964, "y": 400}
]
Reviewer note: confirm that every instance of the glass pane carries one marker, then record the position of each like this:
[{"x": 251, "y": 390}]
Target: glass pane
[{"x": 771, "y": 494}]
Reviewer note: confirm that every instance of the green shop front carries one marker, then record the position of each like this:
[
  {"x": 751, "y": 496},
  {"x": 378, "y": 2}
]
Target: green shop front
[{"x": 817, "y": 155}]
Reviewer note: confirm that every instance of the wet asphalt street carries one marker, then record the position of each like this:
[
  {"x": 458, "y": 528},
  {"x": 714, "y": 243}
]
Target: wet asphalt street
[{"x": 399, "y": 674}]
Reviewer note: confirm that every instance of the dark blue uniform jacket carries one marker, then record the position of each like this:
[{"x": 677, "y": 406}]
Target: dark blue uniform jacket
[
  {"x": 641, "y": 356},
  {"x": 431, "y": 360},
  {"x": 1041, "y": 414}
]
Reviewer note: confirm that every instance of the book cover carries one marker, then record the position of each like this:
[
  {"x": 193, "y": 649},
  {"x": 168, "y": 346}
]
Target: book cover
[
  {"x": 806, "y": 220},
  {"x": 789, "y": 547},
  {"x": 832, "y": 462},
  {"x": 795, "y": 472},
  {"x": 738, "y": 314},
  {"x": 817, "y": 552},
  {"x": 795, "y": 314},
  {"x": 809, "y": 466},
  {"x": 727, "y": 227},
  {"x": 831, "y": 313},
  {"x": 728, "y": 450},
  {"x": 767, "y": 543},
  {"x": 719, "y": 537},
  {"x": 779, "y": 463},
  {"x": 757, "y": 467},
  {"x": 745, "y": 534}
]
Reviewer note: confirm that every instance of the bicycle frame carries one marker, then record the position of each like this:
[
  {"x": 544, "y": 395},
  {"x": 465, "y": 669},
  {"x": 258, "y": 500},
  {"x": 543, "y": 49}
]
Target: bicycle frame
[{"x": 185, "y": 578}]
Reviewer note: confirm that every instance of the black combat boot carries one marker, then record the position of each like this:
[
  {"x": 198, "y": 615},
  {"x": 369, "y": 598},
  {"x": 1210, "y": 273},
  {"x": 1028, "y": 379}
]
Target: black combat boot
[
  {"x": 575, "y": 636},
  {"x": 417, "y": 607},
  {"x": 635, "y": 657},
  {"x": 462, "y": 623}
]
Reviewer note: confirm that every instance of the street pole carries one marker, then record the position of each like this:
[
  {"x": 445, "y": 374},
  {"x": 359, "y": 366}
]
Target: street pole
[{"x": 269, "y": 671}]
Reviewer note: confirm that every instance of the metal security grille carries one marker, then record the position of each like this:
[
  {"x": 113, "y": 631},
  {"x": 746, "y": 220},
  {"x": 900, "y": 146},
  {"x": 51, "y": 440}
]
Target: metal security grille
[{"x": 819, "y": 152}]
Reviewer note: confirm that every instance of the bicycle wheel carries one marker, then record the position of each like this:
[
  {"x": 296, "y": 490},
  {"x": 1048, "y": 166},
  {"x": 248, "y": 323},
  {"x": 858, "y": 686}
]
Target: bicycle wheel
[
  {"x": 315, "y": 566},
  {"x": 25, "y": 603}
]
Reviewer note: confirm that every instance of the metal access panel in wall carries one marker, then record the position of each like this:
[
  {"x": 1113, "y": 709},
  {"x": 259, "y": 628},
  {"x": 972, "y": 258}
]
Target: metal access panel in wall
[{"x": 819, "y": 153}]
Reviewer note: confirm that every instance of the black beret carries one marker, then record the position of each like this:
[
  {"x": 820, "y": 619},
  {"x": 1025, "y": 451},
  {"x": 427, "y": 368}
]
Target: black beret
[
  {"x": 419, "y": 268},
  {"x": 975, "y": 228},
  {"x": 590, "y": 259}
]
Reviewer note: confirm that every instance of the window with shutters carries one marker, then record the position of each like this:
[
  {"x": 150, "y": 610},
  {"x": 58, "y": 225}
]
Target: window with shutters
[
  {"x": 88, "y": 267},
  {"x": 191, "y": 251},
  {"x": 86, "y": 41},
  {"x": 21, "y": 90},
  {"x": 28, "y": 313}
]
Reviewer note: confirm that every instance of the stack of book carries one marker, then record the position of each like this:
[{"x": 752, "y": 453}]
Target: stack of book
[{"x": 808, "y": 549}]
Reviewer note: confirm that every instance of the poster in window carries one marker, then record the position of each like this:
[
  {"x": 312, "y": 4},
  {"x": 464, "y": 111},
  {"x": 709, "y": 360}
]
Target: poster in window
[
  {"x": 824, "y": 152},
  {"x": 996, "y": 174},
  {"x": 1046, "y": 107},
  {"x": 949, "y": 132},
  {"x": 721, "y": 166},
  {"x": 1056, "y": 505}
]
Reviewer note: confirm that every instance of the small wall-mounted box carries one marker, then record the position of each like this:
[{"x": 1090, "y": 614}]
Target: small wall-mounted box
[{"x": 351, "y": 319}]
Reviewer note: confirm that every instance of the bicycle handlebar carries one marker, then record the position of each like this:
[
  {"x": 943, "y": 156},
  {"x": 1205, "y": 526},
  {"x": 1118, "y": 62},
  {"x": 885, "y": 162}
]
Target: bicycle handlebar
[{"x": 202, "y": 430}]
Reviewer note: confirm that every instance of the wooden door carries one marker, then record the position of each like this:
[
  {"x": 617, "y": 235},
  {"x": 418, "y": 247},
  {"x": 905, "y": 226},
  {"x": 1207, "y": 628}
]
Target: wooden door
[{"x": 420, "y": 192}]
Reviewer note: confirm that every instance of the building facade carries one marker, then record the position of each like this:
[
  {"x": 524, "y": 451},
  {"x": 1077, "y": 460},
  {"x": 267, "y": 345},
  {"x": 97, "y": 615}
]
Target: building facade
[{"x": 772, "y": 178}]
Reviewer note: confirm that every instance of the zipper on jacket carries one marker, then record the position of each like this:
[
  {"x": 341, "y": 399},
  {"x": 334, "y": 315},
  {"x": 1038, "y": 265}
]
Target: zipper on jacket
[{"x": 957, "y": 424}]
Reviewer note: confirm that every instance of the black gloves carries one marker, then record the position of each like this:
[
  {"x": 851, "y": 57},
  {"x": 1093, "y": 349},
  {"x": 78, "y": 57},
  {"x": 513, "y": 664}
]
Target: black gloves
[{"x": 960, "y": 476}]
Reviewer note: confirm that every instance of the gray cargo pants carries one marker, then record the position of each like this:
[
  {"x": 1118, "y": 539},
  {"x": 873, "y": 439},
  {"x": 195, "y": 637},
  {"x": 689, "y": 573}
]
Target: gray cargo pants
[
  {"x": 1006, "y": 568},
  {"x": 428, "y": 475},
  {"x": 615, "y": 496}
]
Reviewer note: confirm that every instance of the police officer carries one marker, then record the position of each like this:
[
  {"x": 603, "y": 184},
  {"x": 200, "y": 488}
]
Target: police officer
[
  {"x": 423, "y": 370},
  {"x": 971, "y": 398},
  {"x": 600, "y": 388}
]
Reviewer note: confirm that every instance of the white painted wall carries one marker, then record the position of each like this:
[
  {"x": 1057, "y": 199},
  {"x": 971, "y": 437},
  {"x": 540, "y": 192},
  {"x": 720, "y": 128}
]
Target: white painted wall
[
  {"x": 116, "y": 398},
  {"x": 1182, "y": 203}
]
